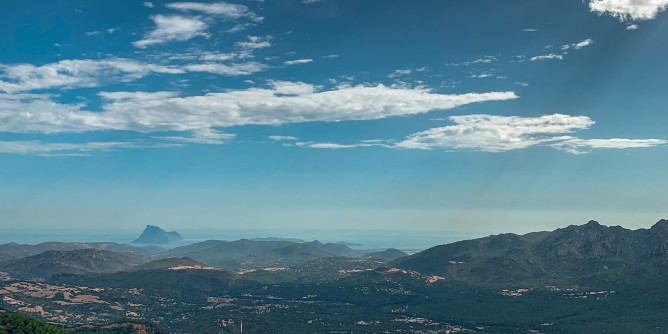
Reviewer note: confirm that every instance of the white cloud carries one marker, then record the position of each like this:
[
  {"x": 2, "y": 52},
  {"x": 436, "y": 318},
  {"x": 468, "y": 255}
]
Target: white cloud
[
  {"x": 173, "y": 28},
  {"x": 530, "y": 30},
  {"x": 335, "y": 146},
  {"x": 482, "y": 75},
  {"x": 490, "y": 133},
  {"x": 205, "y": 136},
  {"x": 39, "y": 113},
  {"x": 624, "y": 10},
  {"x": 165, "y": 111},
  {"x": 86, "y": 73},
  {"x": 496, "y": 133},
  {"x": 283, "y": 138},
  {"x": 547, "y": 57},
  {"x": 143, "y": 96},
  {"x": 215, "y": 56},
  {"x": 236, "y": 69},
  {"x": 298, "y": 61},
  {"x": 330, "y": 56},
  {"x": 256, "y": 42},
  {"x": 75, "y": 73},
  {"x": 563, "y": 48},
  {"x": 400, "y": 73},
  {"x": 584, "y": 43},
  {"x": 78, "y": 149},
  {"x": 272, "y": 106},
  {"x": 221, "y": 9},
  {"x": 148, "y": 4},
  {"x": 208, "y": 56},
  {"x": 581, "y": 146},
  {"x": 60, "y": 149},
  {"x": 310, "y": 2},
  {"x": 632, "y": 27},
  {"x": 483, "y": 60},
  {"x": 292, "y": 88},
  {"x": 500, "y": 134}
]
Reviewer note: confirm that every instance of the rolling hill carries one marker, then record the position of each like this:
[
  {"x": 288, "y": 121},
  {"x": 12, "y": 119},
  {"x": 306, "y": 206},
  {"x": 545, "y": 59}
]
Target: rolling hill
[
  {"x": 11, "y": 251},
  {"x": 247, "y": 254},
  {"x": 80, "y": 261}
]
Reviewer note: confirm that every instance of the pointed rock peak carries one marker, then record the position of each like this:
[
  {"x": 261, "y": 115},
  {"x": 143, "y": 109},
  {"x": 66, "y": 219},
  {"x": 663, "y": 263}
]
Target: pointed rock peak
[
  {"x": 316, "y": 242},
  {"x": 154, "y": 235},
  {"x": 661, "y": 224},
  {"x": 593, "y": 225}
]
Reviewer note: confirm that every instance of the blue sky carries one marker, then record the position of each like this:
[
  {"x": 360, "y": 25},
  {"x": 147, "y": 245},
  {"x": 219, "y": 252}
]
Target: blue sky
[{"x": 457, "y": 116}]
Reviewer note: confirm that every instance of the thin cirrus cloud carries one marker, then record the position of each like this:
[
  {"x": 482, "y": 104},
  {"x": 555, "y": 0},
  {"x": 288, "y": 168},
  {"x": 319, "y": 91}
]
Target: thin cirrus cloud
[
  {"x": 220, "y": 9},
  {"x": 283, "y": 138},
  {"x": 255, "y": 42},
  {"x": 236, "y": 69},
  {"x": 581, "y": 146},
  {"x": 60, "y": 149},
  {"x": 578, "y": 45},
  {"x": 171, "y": 28},
  {"x": 76, "y": 73},
  {"x": 491, "y": 133},
  {"x": 298, "y": 61},
  {"x": 549, "y": 56},
  {"x": 400, "y": 73},
  {"x": 629, "y": 10},
  {"x": 484, "y": 60},
  {"x": 86, "y": 73},
  {"x": 336, "y": 146},
  {"x": 496, "y": 133},
  {"x": 560, "y": 56},
  {"x": 205, "y": 136}
]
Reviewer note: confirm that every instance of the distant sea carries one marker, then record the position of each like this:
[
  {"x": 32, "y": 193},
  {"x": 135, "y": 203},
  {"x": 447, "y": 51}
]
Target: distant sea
[{"x": 408, "y": 241}]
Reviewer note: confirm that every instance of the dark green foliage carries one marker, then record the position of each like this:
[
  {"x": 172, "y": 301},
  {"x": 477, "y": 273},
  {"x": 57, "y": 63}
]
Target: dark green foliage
[
  {"x": 13, "y": 323},
  {"x": 59, "y": 296},
  {"x": 121, "y": 327}
]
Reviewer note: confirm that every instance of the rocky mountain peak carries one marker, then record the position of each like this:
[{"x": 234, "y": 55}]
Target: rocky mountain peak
[
  {"x": 154, "y": 235},
  {"x": 661, "y": 225}
]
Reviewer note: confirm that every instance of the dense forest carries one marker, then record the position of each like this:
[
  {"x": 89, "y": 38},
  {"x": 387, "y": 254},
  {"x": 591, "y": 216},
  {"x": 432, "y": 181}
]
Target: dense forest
[{"x": 13, "y": 323}]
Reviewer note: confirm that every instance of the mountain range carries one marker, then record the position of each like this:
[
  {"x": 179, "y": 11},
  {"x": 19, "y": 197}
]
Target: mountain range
[
  {"x": 544, "y": 257},
  {"x": 574, "y": 279}
]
